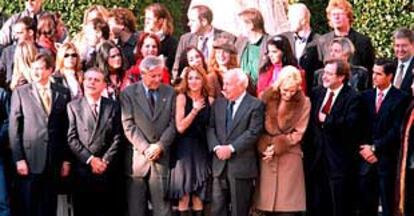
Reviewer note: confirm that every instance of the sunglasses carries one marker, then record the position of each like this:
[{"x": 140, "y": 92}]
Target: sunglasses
[
  {"x": 47, "y": 33},
  {"x": 73, "y": 55}
]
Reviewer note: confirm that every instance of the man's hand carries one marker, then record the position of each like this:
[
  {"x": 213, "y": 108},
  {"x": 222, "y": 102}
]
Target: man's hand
[
  {"x": 153, "y": 152},
  {"x": 223, "y": 152},
  {"x": 22, "y": 168},
  {"x": 98, "y": 166},
  {"x": 368, "y": 155},
  {"x": 65, "y": 170}
]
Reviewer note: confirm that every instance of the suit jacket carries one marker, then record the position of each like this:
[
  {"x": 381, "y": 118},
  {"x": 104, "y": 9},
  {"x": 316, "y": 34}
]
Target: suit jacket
[
  {"x": 310, "y": 59},
  {"x": 4, "y": 121},
  {"x": 6, "y": 63},
  {"x": 89, "y": 137},
  {"x": 246, "y": 128},
  {"x": 143, "y": 129},
  {"x": 191, "y": 39},
  {"x": 408, "y": 78},
  {"x": 364, "y": 51},
  {"x": 242, "y": 43},
  {"x": 383, "y": 128},
  {"x": 35, "y": 136},
  {"x": 336, "y": 140}
]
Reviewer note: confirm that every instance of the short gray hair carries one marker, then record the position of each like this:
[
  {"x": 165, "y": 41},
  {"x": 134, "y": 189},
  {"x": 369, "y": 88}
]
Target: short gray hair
[
  {"x": 404, "y": 33},
  {"x": 238, "y": 73},
  {"x": 151, "y": 62}
]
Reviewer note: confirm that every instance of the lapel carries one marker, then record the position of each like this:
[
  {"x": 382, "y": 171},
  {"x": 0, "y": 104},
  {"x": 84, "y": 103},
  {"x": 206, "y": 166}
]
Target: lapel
[
  {"x": 340, "y": 99},
  {"x": 160, "y": 102},
  {"x": 408, "y": 78},
  {"x": 55, "y": 95},
  {"x": 387, "y": 100},
  {"x": 143, "y": 102},
  {"x": 319, "y": 100},
  {"x": 240, "y": 112},
  {"x": 36, "y": 99},
  {"x": 193, "y": 40}
]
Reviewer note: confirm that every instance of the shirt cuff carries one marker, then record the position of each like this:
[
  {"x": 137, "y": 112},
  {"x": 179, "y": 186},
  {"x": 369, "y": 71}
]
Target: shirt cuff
[
  {"x": 215, "y": 148},
  {"x": 232, "y": 149},
  {"x": 89, "y": 159}
]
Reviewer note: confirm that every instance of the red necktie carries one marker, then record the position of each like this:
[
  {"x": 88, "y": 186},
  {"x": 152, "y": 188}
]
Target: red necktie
[
  {"x": 328, "y": 105},
  {"x": 379, "y": 101}
]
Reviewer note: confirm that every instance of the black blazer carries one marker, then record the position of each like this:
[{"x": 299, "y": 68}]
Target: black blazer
[
  {"x": 246, "y": 128},
  {"x": 383, "y": 128},
  {"x": 337, "y": 139},
  {"x": 408, "y": 78},
  {"x": 89, "y": 137},
  {"x": 35, "y": 136}
]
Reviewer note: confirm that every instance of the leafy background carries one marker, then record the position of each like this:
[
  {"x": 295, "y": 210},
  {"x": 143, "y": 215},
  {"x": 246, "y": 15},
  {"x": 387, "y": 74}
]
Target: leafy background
[{"x": 375, "y": 18}]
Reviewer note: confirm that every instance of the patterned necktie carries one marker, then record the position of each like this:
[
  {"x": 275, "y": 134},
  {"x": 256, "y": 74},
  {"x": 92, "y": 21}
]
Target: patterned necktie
[
  {"x": 379, "y": 101},
  {"x": 45, "y": 97},
  {"x": 94, "y": 108},
  {"x": 202, "y": 46},
  {"x": 399, "y": 76},
  {"x": 151, "y": 100},
  {"x": 328, "y": 105},
  {"x": 229, "y": 115}
]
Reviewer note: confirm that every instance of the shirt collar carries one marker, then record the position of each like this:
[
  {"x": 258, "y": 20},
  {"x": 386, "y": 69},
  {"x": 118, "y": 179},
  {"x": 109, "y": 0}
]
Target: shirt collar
[
  {"x": 405, "y": 62},
  {"x": 90, "y": 101},
  {"x": 385, "y": 91},
  {"x": 39, "y": 86},
  {"x": 336, "y": 91},
  {"x": 240, "y": 98}
]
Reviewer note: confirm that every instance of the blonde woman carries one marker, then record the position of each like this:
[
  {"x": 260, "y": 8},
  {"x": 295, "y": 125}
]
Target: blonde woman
[
  {"x": 281, "y": 190},
  {"x": 23, "y": 58},
  {"x": 68, "y": 69}
]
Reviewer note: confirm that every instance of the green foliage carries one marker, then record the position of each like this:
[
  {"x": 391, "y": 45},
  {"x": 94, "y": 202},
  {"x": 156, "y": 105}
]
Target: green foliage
[{"x": 72, "y": 10}]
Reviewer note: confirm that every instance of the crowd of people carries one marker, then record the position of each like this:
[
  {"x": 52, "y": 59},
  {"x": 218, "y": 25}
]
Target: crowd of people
[{"x": 138, "y": 122}]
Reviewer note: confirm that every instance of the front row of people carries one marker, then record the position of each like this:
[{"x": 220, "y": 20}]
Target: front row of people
[{"x": 181, "y": 146}]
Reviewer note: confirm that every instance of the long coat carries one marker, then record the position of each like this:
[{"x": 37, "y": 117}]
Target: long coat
[{"x": 282, "y": 185}]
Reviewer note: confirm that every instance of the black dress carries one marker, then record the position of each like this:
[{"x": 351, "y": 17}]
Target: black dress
[{"x": 191, "y": 169}]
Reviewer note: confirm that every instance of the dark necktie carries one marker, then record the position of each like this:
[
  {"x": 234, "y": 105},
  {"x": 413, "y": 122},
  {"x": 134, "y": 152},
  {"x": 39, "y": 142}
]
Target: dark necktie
[
  {"x": 328, "y": 105},
  {"x": 229, "y": 115},
  {"x": 151, "y": 100}
]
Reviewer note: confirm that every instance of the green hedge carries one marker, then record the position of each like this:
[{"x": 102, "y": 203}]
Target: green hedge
[{"x": 375, "y": 18}]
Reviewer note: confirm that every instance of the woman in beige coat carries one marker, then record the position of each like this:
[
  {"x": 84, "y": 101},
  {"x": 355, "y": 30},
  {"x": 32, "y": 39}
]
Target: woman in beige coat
[{"x": 281, "y": 189}]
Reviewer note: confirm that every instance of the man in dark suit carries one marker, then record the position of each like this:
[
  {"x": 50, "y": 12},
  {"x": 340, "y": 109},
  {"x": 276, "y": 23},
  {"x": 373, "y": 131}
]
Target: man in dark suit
[
  {"x": 236, "y": 123},
  {"x": 404, "y": 52},
  {"x": 332, "y": 143},
  {"x": 37, "y": 132},
  {"x": 202, "y": 34},
  {"x": 340, "y": 17},
  {"x": 304, "y": 41},
  {"x": 94, "y": 136},
  {"x": 4, "y": 152},
  {"x": 148, "y": 109},
  {"x": 385, "y": 106}
]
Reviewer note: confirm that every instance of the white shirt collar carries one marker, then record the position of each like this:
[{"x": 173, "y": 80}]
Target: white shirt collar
[
  {"x": 384, "y": 92},
  {"x": 91, "y": 102}
]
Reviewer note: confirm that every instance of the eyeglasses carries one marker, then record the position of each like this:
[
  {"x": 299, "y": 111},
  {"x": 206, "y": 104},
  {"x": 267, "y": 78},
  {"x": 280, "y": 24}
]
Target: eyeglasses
[
  {"x": 47, "y": 33},
  {"x": 73, "y": 55}
]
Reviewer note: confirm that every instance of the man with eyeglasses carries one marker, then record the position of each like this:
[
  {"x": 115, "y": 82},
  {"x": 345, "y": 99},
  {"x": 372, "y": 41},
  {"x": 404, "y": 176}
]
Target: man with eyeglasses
[{"x": 341, "y": 17}]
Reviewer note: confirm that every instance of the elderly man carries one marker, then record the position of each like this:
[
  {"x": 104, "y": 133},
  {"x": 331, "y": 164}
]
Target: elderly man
[
  {"x": 236, "y": 123},
  {"x": 148, "y": 109},
  {"x": 303, "y": 40},
  {"x": 94, "y": 136}
]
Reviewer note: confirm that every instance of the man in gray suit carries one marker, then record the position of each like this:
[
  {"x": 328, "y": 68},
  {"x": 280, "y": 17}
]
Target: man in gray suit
[
  {"x": 235, "y": 125},
  {"x": 148, "y": 109},
  {"x": 37, "y": 132},
  {"x": 94, "y": 136},
  {"x": 202, "y": 35}
]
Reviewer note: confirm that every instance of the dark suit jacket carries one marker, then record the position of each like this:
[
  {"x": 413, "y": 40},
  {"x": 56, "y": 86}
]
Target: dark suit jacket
[
  {"x": 364, "y": 51},
  {"x": 35, "y": 136},
  {"x": 309, "y": 61},
  {"x": 383, "y": 128},
  {"x": 142, "y": 129},
  {"x": 337, "y": 139},
  {"x": 88, "y": 137},
  {"x": 4, "y": 121},
  {"x": 246, "y": 128},
  {"x": 408, "y": 78},
  {"x": 190, "y": 39}
]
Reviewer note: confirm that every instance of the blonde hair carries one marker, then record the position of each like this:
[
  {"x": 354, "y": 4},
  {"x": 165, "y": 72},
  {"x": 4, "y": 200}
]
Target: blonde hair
[
  {"x": 289, "y": 75},
  {"x": 60, "y": 56},
  {"x": 23, "y": 58}
]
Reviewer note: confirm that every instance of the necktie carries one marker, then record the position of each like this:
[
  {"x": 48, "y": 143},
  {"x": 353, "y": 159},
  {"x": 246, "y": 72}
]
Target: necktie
[
  {"x": 229, "y": 115},
  {"x": 399, "y": 77},
  {"x": 151, "y": 100},
  {"x": 379, "y": 101},
  {"x": 328, "y": 105},
  {"x": 44, "y": 95},
  {"x": 202, "y": 46},
  {"x": 94, "y": 108}
]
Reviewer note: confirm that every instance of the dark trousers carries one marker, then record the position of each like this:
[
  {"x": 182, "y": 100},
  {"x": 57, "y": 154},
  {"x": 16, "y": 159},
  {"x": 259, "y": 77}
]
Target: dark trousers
[
  {"x": 93, "y": 193},
  {"x": 373, "y": 186},
  {"x": 37, "y": 195},
  {"x": 140, "y": 190},
  {"x": 236, "y": 192},
  {"x": 409, "y": 193},
  {"x": 328, "y": 196}
]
